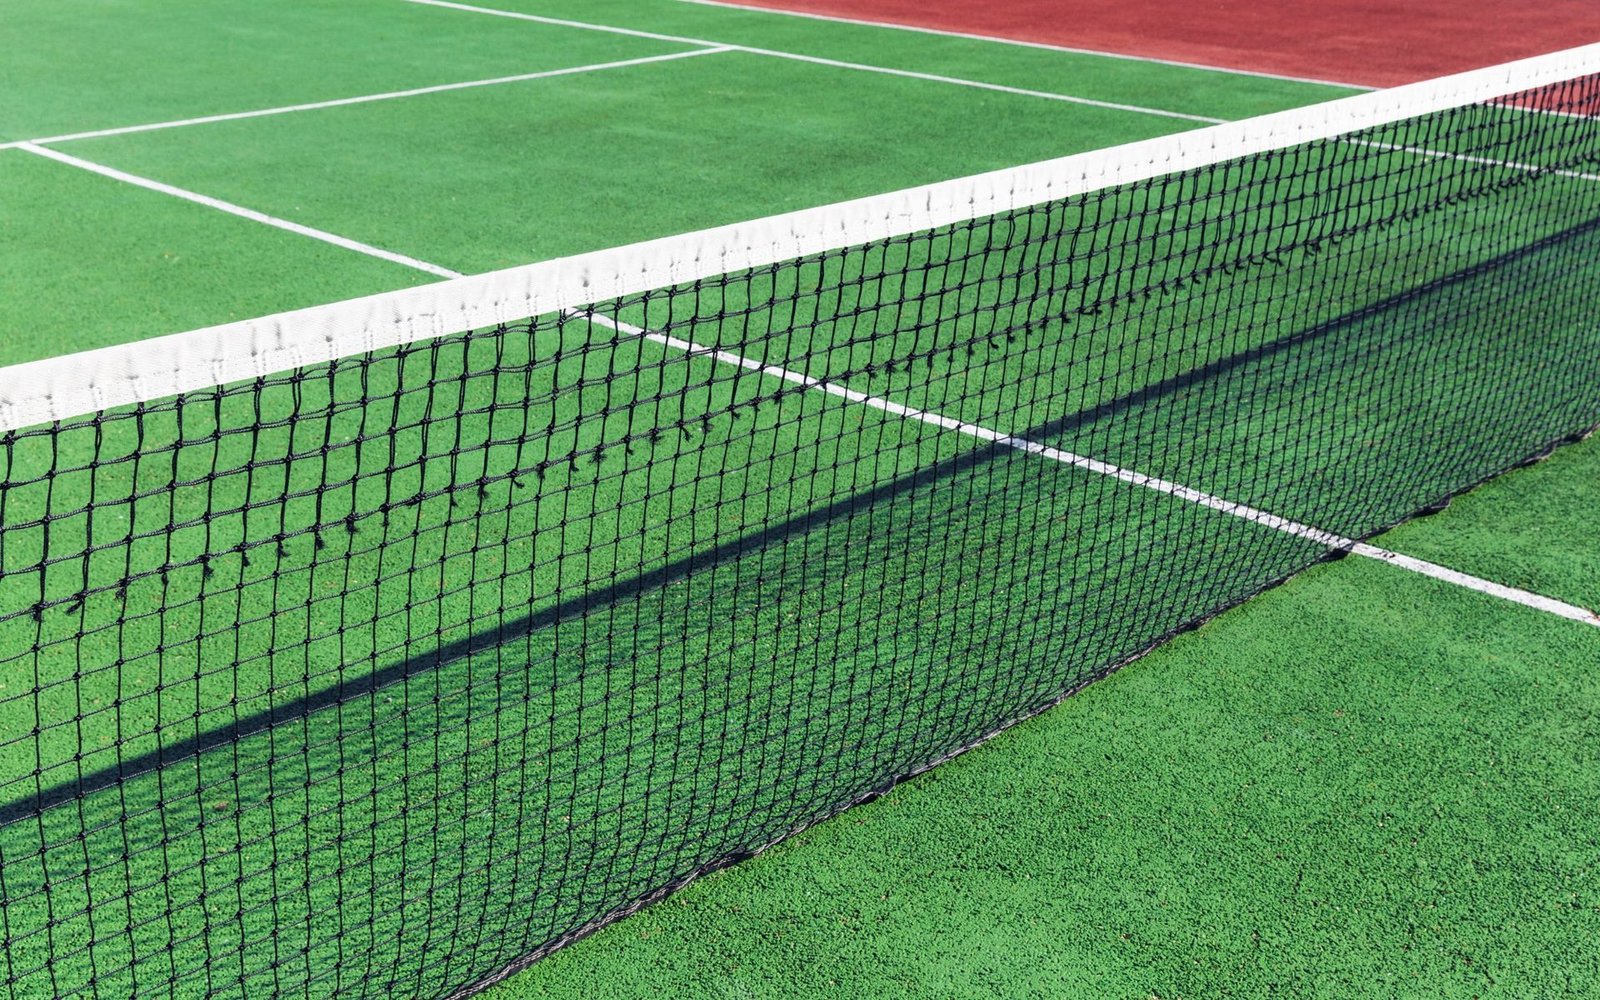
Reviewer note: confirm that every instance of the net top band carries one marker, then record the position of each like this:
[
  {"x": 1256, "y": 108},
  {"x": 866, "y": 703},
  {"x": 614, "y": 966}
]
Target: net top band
[{"x": 91, "y": 381}]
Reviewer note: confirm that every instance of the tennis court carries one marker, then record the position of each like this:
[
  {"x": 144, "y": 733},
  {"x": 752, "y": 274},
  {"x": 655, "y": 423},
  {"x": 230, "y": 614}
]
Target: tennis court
[{"x": 388, "y": 669}]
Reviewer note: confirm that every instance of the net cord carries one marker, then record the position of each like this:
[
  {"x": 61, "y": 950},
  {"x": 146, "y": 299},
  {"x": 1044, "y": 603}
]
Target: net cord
[{"x": 81, "y": 384}]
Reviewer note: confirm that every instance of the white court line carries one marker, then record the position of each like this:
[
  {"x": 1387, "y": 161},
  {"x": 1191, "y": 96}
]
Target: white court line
[
  {"x": 369, "y": 98},
  {"x": 517, "y": 15},
  {"x": 1531, "y": 168},
  {"x": 1501, "y": 591},
  {"x": 1253, "y": 515},
  {"x": 1019, "y": 43},
  {"x": 1048, "y": 95},
  {"x": 819, "y": 60},
  {"x": 239, "y": 210}
]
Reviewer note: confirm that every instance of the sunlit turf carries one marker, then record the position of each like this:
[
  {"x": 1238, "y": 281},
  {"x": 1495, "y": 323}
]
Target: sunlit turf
[{"x": 569, "y": 615}]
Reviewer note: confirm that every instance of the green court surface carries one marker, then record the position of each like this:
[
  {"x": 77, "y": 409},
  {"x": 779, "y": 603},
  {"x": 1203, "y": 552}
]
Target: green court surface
[
  {"x": 1533, "y": 530},
  {"x": 1364, "y": 782},
  {"x": 490, "y": 176},
  {"x": 592, "y": 147}
]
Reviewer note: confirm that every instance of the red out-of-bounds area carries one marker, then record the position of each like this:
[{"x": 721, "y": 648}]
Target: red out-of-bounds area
[{"x": 1375, "y": 43}]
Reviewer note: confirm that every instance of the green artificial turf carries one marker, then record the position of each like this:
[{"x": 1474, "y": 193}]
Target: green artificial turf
[
  {"x": 703, "y": 610},
  {"x": 547, "y": 168},
  {"x": 646, "y": 720},
  {"x": 80, "y": 65},
  {"x": 1534, "y": 528},
  {"x": 1363, "y": 783},
  {"x": 599, "y": 159},
  {"x": 90, "y": 262},
  {"x": 452, "y": 577}
]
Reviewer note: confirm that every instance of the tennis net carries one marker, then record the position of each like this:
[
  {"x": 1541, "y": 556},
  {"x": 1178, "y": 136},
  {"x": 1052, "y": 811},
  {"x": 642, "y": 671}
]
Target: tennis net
[{"x": 383, "y": 647}]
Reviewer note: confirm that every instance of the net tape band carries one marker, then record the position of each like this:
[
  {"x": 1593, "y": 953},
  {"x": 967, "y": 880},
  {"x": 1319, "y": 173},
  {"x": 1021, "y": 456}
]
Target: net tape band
[{"x": 91, "y": 381}]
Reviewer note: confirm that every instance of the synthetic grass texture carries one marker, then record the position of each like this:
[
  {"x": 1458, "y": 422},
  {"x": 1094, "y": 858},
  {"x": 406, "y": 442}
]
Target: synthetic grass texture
[
  {"x": 482, "y": 184},
  {"x": 484, "y": 178},
  {"x": 89, "y": 262},
  {"x": 671, "y": 140},
  {"x": 614, "y": 742},
  {"x": 702, "y": 606},
  {"x": 81, "y": 65},
  {"x": 1362, "y": 783},
  {"x": 1534, "y": 528}
]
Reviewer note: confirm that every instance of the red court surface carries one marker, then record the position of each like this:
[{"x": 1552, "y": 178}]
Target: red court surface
[{"x": 1375, "y": 43}]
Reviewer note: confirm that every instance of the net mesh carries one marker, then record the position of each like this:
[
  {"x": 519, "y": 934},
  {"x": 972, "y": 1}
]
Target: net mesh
[{"x": 386, "y": 675}]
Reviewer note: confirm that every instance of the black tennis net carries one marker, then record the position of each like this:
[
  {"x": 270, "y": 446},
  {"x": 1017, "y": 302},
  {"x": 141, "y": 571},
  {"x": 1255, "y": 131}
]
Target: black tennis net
[{"x": 382, "y": 648}]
